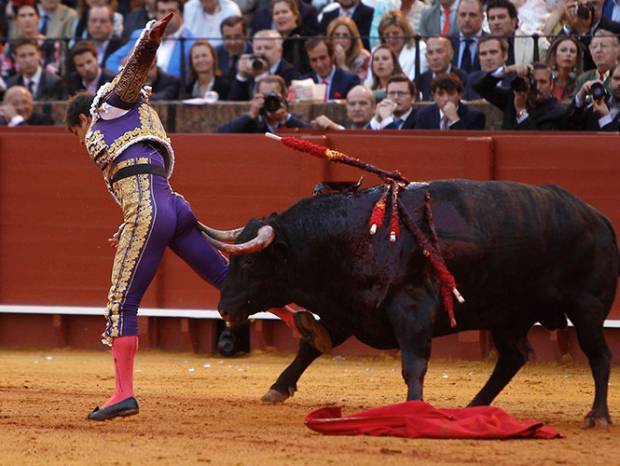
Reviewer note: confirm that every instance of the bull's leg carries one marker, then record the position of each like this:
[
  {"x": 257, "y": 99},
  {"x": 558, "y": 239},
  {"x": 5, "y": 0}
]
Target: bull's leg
[
  {"x": 286, "y": 384},
  {"x": 512, "y": 353},
  {"x": 592, "y": 342},
  {"x": 411, "y": 317}
]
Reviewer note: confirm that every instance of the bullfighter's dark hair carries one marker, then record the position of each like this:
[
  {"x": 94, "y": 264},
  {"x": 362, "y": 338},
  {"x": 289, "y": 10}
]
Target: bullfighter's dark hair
[
  {"x": 78, "y": 105},
  {"x": 447, "y": 82}
]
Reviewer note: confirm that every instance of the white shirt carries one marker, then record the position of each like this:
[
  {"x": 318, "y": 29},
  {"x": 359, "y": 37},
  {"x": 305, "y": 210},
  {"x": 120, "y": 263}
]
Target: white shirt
[
  {"x": 375, "y": 124},
  {"x": 164, "y": 52},
  {"x": 206, "y": 26},
  {"x": 615, "y": 13}
]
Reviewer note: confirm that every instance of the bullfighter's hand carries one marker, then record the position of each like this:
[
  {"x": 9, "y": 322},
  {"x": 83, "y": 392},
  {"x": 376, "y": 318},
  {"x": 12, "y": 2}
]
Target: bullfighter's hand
[{"x": 158, "y": 29}]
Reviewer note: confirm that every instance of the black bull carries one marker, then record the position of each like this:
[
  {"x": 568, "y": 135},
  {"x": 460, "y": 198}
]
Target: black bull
[{"x": 520, "y": 255}]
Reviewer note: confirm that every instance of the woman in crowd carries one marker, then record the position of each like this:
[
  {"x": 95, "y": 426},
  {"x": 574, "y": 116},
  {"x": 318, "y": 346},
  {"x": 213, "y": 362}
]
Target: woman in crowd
[
  {"x": 383, "y": 66},
  {"x": 564, "y": 57},
  {"x": 26, "y": 26},
  {"x": 349, "y": 52},
  {"x": 205, "y": 72},
  {"x": 287, "y": 21},
  {"x": 396, "y": 33}
]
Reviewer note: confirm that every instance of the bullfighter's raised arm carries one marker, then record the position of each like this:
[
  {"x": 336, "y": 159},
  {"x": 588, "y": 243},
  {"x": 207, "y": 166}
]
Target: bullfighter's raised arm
[{"x": 128, "y": 83}]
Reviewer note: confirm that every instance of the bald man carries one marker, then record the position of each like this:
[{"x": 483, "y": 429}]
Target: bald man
[
  {"x": 17, "y": 109},
  {"x": 361, "y": 105},
  {"x": 439, "y": 55}
]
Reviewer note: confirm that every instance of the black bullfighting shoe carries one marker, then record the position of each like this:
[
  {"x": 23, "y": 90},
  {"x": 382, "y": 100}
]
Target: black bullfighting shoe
[
  {"x": 312, "y": 331},
  {"x": 127, "y": 407}
]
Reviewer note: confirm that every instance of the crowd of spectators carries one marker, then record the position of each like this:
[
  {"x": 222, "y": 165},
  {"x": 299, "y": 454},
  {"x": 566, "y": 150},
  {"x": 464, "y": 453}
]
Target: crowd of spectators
[{"x": 547, "y": 65}]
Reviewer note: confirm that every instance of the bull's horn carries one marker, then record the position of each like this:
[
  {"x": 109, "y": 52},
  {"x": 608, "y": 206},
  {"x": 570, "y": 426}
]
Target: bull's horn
[
  {"x": 264, "y": 237},
  {"x": 222, "y": 235}
]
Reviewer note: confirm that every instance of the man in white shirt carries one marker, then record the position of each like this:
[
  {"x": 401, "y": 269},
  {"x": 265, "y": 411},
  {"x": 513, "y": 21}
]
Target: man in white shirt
[
  {"x": 203, "y": 18},
  {"x": 396, "y": 110}
]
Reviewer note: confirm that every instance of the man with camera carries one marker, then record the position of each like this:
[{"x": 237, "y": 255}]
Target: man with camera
[
  {"x": 265, "y": 60},
  {"x": 604, "y": 49},
  {"x": 268, "y": 110},
  {"x": 528, "y": 104},
  {"x": 595, "y": 109},
  {"x": 583, "y": 19}
]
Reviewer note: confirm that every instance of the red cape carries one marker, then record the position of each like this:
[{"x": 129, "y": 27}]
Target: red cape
[{"x": 417, "y": 419}]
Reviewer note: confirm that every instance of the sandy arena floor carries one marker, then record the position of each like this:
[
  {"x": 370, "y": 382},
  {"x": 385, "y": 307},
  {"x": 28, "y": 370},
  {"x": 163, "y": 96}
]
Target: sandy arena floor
[{"x": 206, "y": 410}]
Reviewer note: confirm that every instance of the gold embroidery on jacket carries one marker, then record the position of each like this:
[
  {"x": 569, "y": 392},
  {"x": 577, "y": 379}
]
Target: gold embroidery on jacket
[{"x": 134, "y": 193}]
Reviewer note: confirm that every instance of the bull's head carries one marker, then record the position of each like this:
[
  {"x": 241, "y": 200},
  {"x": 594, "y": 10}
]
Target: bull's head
[{"x": 254, "y": 279}]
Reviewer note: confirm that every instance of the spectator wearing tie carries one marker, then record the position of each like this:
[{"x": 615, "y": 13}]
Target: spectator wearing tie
[
  {"x": 360, "y": 14},
  {"x": 604, "y": 49},
  {"x": 42, "y": 84},
  {"x": 448, "y": 112},
  {"x": 396, "y": 110},
  {"x": 88, "y": 74},
  {"x": 100, "y": 28},
  {"x": 440, "y": 18},
  {"x": 234, "y": 44},
  {"x": 337, "y": 81},
  {"x": 492, "y": 54},
  {"x": 439, "y": 54},
  {"x": 57, "y": 20},
  {"x": 465, "y": 44}
]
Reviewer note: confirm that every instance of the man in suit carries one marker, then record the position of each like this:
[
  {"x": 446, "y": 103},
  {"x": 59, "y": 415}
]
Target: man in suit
[
  {"x": 361, "y": 106},
  {"x": 42, "y": 84},
  {"x": 100, "y": 27},
  {"x": 138, "y": 17},
  {"x": 88, "y": 74},
  {"x": 440, "y": 18},
  {"x": 439, "y": 54},
  {"x": 164, "y": 86},
  {"x": 465, "y": 44},
  {"x": 492, "y": 54},
  {"x": 604, "y": 49},
  {"x": 174, "y": 48},
  {"x": 601, "y": 114},
  {"x": 265, "y": 116},
  {"x": 396, "y": 110},
  {"x": 584, "y": 27},
  {"x": 17, "y": 109},
  {"x": 266, "y": 60},
  {"x": 448, "y": 111},
  {"x": 338, "y": 82},
  {"x": 529, "y": 103},
  {"x": 234, "y": 44},
  {"x": 360, "y": 14},
  {"x": 57, "y": 20},
  {"x": 503, "y": 23}
]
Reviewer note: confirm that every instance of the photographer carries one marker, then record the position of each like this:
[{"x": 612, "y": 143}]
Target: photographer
[
  {"x": 265, "y": 60},
  {"x": 595, "y": 109},
  {"x": 604, "y": 49},
  {"x": 528, "y": 104},
  {"x": 583, "y": 19},
  {"x": 268, "y": 110}
]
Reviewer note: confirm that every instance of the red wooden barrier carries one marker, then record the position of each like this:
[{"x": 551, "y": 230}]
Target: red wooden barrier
[{"x": 56, "y": 216}]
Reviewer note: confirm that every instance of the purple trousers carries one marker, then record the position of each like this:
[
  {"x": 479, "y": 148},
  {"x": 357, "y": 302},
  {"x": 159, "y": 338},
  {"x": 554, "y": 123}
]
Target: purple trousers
[{"x": 154, "y": 217}]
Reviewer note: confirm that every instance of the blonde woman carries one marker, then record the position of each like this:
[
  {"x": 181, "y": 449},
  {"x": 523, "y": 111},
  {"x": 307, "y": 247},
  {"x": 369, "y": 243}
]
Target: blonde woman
[
  {"x": 349, "y": 52},
  {"x": 396, "y": 33}
]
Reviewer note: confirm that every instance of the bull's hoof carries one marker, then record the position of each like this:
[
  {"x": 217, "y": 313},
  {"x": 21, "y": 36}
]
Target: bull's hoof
[
  {"x": 601, "y": 422},
  {"x": 274, "y": 397}
]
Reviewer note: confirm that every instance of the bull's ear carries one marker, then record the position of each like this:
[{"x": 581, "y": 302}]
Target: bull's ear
[{"x": 280, "y": 251}]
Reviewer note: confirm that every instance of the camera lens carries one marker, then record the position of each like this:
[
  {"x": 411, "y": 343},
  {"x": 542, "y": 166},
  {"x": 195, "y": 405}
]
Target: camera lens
[
  {"x": 519, "y": 84},
  {"x": 598, "y": 91},
  {"x": 272, "y": 102},
  {"x": 257, "y": 64}
]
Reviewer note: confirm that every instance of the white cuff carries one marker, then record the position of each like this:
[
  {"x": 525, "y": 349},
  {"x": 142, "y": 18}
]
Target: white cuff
[
  {"x": 374, "y": 123},
  {"x": 15, "y": 121}
]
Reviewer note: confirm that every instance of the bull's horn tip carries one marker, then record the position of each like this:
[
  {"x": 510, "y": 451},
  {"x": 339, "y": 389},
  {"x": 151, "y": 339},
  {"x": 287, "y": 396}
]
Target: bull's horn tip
[
  {"x": 273, "y": 136},
  {"x": 373, "y": 228}
]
